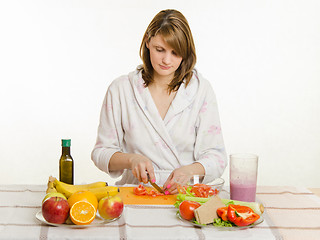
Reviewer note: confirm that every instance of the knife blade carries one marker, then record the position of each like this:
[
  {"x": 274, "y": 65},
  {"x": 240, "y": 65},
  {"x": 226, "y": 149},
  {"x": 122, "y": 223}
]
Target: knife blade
[{"x": 159, "y": 189}]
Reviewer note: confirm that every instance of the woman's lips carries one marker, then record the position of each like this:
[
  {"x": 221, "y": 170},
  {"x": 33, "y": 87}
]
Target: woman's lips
[{"x": 164, "y": 67}]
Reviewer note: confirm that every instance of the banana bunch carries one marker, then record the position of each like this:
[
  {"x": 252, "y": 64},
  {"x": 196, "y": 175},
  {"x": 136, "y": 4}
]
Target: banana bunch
[
  {"x": 100, "y": 189},
  {"x": 51, "y": 188}
]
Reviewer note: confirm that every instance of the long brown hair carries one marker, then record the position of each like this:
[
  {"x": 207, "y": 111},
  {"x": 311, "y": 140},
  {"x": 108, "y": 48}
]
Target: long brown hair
[{"x": 175, "y": 30}]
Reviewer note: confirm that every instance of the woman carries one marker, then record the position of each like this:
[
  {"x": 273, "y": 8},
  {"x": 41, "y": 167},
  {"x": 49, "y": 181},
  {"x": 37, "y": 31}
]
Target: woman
[{"x": 162, "y": 119}]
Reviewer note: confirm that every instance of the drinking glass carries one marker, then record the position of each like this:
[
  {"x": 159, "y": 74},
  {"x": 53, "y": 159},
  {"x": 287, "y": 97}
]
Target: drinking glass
[{"x": 243, "y": 176}]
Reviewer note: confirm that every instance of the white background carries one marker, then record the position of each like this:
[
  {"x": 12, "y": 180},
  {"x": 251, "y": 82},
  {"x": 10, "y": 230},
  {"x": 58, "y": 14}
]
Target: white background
[{"x": 57, "y": 59}]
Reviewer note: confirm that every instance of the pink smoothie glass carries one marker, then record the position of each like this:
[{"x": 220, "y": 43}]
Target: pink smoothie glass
[{"x": 243, "y": 176}]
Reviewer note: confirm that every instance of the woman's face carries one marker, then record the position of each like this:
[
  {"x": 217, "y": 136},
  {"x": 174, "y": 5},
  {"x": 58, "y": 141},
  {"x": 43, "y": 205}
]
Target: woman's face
[{"x": 164, "y": 59}]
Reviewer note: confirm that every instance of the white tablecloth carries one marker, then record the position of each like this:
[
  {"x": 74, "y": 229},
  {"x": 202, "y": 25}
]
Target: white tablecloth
[{"x": 290, "y": 213}]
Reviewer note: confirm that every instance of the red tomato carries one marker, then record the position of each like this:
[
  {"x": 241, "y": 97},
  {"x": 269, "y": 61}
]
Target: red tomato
[
  {"x": 186, "y": 209},
  {"x": 140, "y": 190}
]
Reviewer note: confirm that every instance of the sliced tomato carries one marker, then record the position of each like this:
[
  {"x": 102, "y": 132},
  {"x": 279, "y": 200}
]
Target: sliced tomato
[
  {"x": 154, "y": 193},
  {"x": 203, "y": 190},
  {"x": 200, "y": 190},
  {"x": 213, "y": 192},
  {"x": 140, "y": 190}
]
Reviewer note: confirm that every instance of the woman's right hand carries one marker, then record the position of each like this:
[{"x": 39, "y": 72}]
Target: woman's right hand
[{"x": 141, "y": 166}]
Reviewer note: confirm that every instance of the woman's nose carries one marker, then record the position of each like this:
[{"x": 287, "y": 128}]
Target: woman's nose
[{"x": 166, "y": 59}]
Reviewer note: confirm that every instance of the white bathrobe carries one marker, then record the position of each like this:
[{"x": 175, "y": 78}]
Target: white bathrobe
[{"x": 190, "y": 132}]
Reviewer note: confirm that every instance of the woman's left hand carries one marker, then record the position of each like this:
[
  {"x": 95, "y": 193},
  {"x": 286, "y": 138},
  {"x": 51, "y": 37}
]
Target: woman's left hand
[{"x": 192, "y": 169}]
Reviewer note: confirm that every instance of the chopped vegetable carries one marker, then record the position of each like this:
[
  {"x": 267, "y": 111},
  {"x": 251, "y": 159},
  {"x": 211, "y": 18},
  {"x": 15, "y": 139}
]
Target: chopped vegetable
[
  {"x": 221, "y": 223},
  {"x": 223, "y": 213},
  {"x": 203, "y": 190},
  {"x": 182, "y": 197},
  {"x": 239, "y": 215},
  {"x": 258, "y": 208},
  {"x": 142, "y": 191},
  {"x": 199, "y": 190}
]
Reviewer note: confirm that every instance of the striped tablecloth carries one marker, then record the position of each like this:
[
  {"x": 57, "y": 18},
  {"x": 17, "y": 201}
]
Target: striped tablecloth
[{"x": 290, "y": 213}]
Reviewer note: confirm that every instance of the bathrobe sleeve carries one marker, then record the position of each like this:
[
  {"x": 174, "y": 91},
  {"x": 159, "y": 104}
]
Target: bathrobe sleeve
[
  {"x": 209, "y": 146},
  {"x": 110, "y": 133}
]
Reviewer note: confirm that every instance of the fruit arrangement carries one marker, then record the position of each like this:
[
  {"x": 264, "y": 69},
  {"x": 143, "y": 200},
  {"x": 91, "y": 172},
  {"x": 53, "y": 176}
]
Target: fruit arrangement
[{"x": 80, "y": 203}]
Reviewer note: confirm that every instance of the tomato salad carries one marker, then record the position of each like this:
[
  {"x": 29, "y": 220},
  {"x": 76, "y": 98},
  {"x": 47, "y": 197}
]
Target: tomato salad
[{"x": 203, "y": 190}]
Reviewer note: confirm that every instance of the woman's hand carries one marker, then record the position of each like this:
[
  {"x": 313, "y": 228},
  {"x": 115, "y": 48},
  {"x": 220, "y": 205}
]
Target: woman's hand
[
  {"x": 180, "y": 173},
  {"x": 140, "y": 167}
]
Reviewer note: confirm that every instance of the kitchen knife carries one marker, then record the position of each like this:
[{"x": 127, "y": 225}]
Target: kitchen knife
[{"x": 159, "y": 189}]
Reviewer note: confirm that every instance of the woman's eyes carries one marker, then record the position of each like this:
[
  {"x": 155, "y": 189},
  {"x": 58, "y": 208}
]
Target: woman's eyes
[{"x": 162, "y": 50}]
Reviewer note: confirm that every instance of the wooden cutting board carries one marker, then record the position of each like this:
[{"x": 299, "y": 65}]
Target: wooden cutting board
[{"x": 130, "y": 198}]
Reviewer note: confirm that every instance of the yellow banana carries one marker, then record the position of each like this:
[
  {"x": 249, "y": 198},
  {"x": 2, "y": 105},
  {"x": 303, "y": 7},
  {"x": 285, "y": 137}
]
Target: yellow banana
[
  {"x": 81, "y": 186},
  {"x": 98, "y": 188},
  {"x": 51, "y": 190},
  {"x": 50, "y": 186},
  {"x": 105, "y": 191},
  {"x": 65, "y": 189},
  {"x": 94, "y": 185}
]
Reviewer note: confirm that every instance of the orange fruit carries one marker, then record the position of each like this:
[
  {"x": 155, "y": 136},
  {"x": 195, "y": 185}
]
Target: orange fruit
[
  {"x": 83, "y": 196},
  {"x": 82, "y": 213}
]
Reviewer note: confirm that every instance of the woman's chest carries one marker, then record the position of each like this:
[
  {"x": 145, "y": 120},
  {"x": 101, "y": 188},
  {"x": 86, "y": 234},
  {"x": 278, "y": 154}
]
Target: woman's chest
[{"x": 141, "y": 126}]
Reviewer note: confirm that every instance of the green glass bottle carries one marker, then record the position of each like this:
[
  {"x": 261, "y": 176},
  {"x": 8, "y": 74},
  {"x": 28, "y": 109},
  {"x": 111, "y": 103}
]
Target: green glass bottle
[{"x": 66, "y": 163}]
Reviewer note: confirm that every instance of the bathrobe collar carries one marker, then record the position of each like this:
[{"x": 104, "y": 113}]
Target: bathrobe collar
[{"x": 184, "y": 97}]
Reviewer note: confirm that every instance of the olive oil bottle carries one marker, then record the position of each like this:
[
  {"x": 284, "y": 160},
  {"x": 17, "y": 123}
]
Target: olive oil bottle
[{"x": 66, "y": 163}]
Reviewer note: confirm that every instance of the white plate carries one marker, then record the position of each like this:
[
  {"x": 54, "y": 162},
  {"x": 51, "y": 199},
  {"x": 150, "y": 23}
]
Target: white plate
[
  {"x": 98, "y": 221},
  {"x": 260, "y": 220}
]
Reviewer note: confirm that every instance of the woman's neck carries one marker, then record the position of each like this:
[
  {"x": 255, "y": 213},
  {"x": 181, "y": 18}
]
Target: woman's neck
[{"x": 161, "y": 83}]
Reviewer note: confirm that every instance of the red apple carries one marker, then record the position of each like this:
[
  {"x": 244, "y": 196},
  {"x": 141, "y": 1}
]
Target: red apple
[
  {"x": 110, "y": 207},
  {"x": 55, "y": 210}
]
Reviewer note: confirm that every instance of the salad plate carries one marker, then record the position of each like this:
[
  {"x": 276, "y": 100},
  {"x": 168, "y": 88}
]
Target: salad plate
[
  {"x": 98, "y": 221},
  {"x": 260, "y": 220}
]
